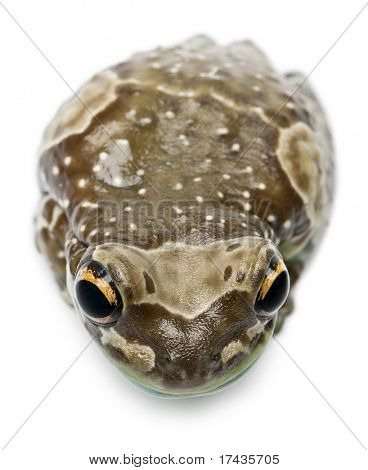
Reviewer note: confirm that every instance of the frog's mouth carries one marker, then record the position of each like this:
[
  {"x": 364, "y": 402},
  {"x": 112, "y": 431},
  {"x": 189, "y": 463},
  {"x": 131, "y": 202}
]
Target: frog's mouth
[{"x": 175, "y": 357}]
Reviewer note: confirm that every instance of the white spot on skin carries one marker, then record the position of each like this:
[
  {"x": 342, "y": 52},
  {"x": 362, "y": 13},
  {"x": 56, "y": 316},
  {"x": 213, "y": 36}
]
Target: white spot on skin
[
  {"x": 248, "y": 169},
  {"x": 271, "y": 218},
  {"x": 222, "y": 221},
  {"x": 124, "y": 144},
  {"x": 142, "y": 191},
  {"x": 127, "y": 209},
  {"x": 112, "y": 219},
  {"x": 222, "y": 131},
  {"x": 170, "y": 114},
  {"x": 61, "y": 254},
  {"x": 246, "y": 194},
  {"x": 117, "y": 181},
  {"x": 92, "y": 205},
  {"x": 178, "y": 186},
  {"x": 261, "y": 186},
  {"x": 226, "y": 176},
  {"x": 140, "y": 172},
  {"x": 212, "y": 74},
  {"x": 107, "y": 234},
  {"x": 103, "y": 156},
  {"x": 247, "y": 206},
  {"x": 197, "y": 179},
  {"x": 209, "y": 217},
  {"x": 133, "y": 227},
  {"x": 145, "y": 121},
  {"x": 199, "y": 198},
  {"x": 184, "y": 139},
  {"x": 131, "y": 114},
  {"x": 220, "y": 194},
  {"x": 93, "y": 232},
  {"x": 177, "y": 67},
  {"x": 290, "y": 105},
  {"x": 287, "y": 224},
  {"x": 243, "y": 224},
  {"x": 67, "y": 160},
  {"x": 235, "y": 147},
  {"x": 187, "y": 93},
  {"x": 65, "y": 203},
  {"x": 227, "y": 102},
  {"x": 82, "y": 227},
  {"x": 55, "y": 170},
  {"x": 256, "y": 88},
  {"x": 96, "y": 168},
  {"x": 177, "y": 210}
]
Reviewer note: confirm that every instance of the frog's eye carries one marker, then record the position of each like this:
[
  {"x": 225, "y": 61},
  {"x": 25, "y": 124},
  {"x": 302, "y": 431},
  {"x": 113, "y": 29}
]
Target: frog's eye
[
  {"x": 97, "y": 294},
  {"x": 275, "y": 288}
]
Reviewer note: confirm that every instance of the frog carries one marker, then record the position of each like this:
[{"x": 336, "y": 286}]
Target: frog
[{"x": 183, "y": 192}]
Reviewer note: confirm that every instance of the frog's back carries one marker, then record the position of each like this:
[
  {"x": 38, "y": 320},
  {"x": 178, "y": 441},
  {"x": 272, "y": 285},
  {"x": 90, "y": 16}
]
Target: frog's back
[{"x": 194, "y": 123}]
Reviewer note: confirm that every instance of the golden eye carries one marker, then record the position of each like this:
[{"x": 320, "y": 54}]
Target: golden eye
[
  {"x": 97, "y": 294},
  {"x": 275, "y": 288}
]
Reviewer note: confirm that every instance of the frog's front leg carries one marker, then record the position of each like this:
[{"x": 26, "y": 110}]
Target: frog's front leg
[{"x": 51, "y": 229}]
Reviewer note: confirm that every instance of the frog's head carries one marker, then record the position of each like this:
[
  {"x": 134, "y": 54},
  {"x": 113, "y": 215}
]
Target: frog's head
[{"x": 182, "y": 320}]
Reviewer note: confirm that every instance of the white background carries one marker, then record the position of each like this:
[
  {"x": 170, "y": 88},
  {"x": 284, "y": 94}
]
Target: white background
[{"x": 93, "y": 410}]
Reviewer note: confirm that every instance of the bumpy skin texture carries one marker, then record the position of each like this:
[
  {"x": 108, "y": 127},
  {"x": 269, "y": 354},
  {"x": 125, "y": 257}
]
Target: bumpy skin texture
[{"x": 167, "y": 170}]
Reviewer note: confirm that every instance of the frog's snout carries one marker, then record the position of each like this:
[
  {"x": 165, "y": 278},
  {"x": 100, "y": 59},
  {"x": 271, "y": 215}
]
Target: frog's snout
[
  {"x": 200, "y": 361},
  {"x": 189, "y": 354}
]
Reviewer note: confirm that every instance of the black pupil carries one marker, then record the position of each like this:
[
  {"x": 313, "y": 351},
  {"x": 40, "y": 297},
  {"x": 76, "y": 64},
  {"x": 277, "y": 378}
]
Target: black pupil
[
  {"x": 276, "y": 294},
  {"x": 92, "y": 300}
]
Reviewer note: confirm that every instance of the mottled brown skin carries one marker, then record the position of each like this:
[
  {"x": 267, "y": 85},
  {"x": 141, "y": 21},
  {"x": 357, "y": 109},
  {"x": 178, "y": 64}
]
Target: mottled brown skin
[{"x": 184, "y": 171}]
